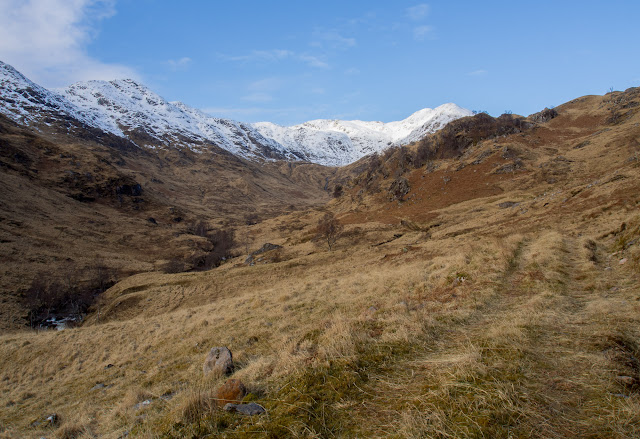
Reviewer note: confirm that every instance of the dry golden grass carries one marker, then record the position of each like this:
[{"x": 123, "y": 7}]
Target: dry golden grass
[{"x": 467, "y": 319}]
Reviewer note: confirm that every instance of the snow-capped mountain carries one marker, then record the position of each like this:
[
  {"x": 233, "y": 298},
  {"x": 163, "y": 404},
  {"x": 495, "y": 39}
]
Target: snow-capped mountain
[
  {"x": 339, "y": 142},
  {"x": 132, "y": 106},
  {"x": 26, "y": 102},
  {"x": 130, "y": 110}
]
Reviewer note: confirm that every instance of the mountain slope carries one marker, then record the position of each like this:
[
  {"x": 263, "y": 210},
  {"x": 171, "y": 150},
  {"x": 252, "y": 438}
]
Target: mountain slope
[
  {"x": 129, "y": 110},
  {"x": 26, "y": 102},
  {"x": 339, "y": 142},
  {"x": 150, "y": 120}
]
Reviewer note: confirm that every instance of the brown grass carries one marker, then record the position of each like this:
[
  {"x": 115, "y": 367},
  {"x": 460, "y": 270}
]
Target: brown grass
[{"x": 467, "y": 319}]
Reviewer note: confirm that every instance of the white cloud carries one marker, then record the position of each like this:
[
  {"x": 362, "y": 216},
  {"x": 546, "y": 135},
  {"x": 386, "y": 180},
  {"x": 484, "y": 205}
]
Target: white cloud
[
  {"x": 418, "y": 12},
  {"x": 314, "y": 61},
  {"x": 333, "y": 39},
  {"x": 352, "y": 71},
  {"x": 258, "y": 97},
  {"x": 263, "y": 56},
  {"x": 421, "y": 32},
  {"x": 47, "y": 40},
  {"x": 480, "y": 72},
  {"x": 262, "y": 90},
  {"x": 266, "y": 84},
  {"x": 178, "y": 64}
]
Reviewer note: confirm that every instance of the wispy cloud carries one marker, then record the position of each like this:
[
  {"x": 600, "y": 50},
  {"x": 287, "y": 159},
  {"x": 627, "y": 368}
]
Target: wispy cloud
[
  {"x": 179, "y": 64},
  {"x": 277, "y": 55},
  {"x": 266, "y": 84},
  {"x": 314, "y": 61},
  {"x": 47, "y": 40},
  {"x": 352, "y": 71},
  {"x": 258, "y": 97},
  {"x": 331, "y": 38},
  {"x": 262, "y": 56},
  {"x": 262, "y": 90},
  {"x": 480, "y": 72},
  {"x": 418, "y": 12},
  {"x": 420, "y": 33}
]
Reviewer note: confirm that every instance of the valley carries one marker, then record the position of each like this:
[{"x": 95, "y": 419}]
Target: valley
[{"x": 484, "y": 282}]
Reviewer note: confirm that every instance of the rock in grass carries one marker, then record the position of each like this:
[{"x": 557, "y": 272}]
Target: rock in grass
[
  {"x": 219, "y": 361},
  {"x": 245, "y": 409},
  {"x": 231, "y": 391},
  {"x": 53, "y": 420},
  {"x": 626, "y": 380}
]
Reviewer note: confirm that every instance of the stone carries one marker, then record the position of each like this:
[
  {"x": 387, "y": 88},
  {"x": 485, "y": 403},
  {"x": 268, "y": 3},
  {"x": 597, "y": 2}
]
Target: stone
[
  {"x": 245, "y": 409},
  {"x": 98, "y": 386},
  {"x": 53, "y": 420},
  {"x": 626, "y": 380},
  {"x": 623, "y": 261},
  {"x": 233, "y": 390},
  {"x": 144, "y": 403},
  {"x": 219, "y": 361}
]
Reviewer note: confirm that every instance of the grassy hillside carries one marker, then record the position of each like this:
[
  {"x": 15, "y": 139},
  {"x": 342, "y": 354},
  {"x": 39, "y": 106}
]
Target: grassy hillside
[
  {"x": 497, "y": 297},
  {"x": 70, "y": 206}
]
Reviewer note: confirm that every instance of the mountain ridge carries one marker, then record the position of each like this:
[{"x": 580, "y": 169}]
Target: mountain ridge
[{"x": 129, "y": 109}]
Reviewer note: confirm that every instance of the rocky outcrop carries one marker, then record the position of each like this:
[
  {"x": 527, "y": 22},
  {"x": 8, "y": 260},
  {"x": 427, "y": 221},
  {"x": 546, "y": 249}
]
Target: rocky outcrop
[
  {"x": 265, "y": 248},
  {"x": 544, "y": 116},
  {"x": 399, "y": 188}
]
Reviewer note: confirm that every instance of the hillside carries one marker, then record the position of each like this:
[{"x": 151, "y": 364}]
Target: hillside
[
  {"x": 485, "y": 285},
  {"x": 73, "y": 206}
]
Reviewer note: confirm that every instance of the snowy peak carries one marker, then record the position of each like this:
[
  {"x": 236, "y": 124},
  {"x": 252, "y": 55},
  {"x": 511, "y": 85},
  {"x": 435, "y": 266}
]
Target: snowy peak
[
  {"x": 133, "y": 107},
  {"x": 132, "y": 111},
  {"x": 27, "y": 102},
  {"x": 340, "y": 142}
]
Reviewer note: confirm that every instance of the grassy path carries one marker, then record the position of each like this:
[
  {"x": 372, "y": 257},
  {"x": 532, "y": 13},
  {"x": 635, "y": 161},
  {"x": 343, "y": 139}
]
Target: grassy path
[{"x": 538, "y": 358}]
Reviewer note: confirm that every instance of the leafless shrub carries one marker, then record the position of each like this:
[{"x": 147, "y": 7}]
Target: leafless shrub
[
  {"x": 223, "y": 241},
  {"x": 252, "y": 219},
  {"x": 329, "y": 229},
  {"x": 200, "y": 228},
  {"x": 424, "y": 153},
  {"x": 64, "y": 294}
]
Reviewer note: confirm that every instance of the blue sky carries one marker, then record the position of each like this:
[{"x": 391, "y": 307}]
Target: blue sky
[{"x": 292, "y": 61}]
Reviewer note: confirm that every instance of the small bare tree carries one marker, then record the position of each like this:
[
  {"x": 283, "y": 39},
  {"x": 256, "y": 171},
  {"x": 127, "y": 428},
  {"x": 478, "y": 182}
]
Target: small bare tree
[{"x": 329, "y": 229}]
